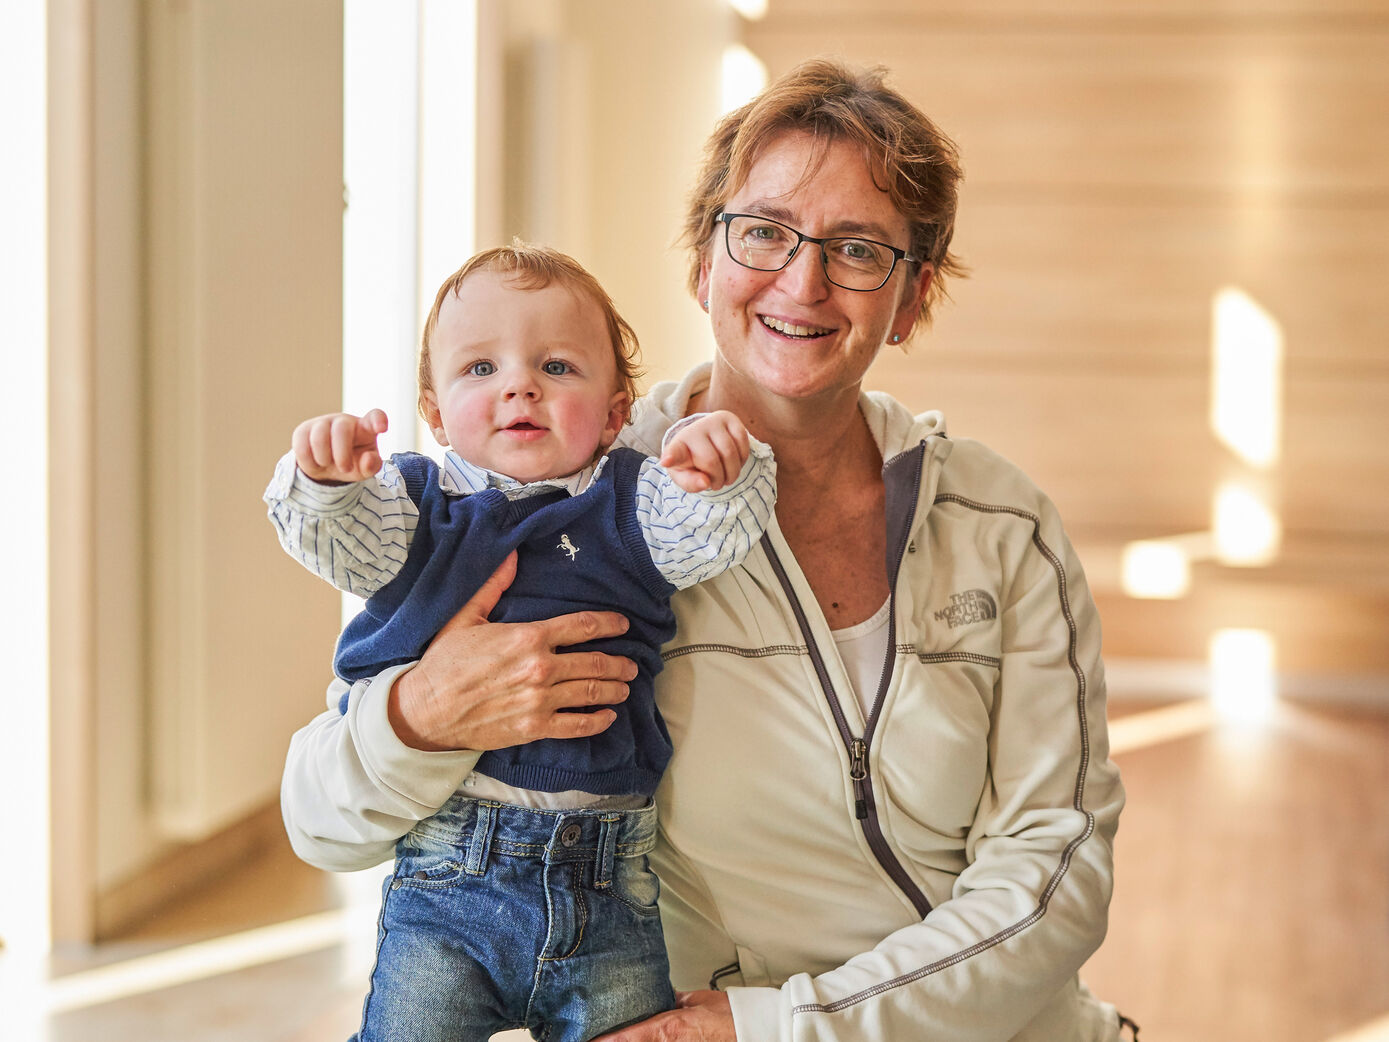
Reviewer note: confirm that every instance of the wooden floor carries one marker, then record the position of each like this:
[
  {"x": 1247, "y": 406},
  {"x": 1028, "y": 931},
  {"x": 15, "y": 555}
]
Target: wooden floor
[
  {"x": 1252, "y": 903},
  {"x": 1252, "y": 885}
]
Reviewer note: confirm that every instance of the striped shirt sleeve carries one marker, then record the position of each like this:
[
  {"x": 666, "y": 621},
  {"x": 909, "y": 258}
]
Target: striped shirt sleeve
[
  {"x": 356, "y": 536},
  {"x": 695, "y": 536}
]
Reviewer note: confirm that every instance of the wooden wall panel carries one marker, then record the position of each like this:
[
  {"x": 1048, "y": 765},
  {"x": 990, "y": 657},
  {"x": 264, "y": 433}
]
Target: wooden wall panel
[
  {"x": 1067, "y": 15},
  {"x": 1124, "y": 162}
]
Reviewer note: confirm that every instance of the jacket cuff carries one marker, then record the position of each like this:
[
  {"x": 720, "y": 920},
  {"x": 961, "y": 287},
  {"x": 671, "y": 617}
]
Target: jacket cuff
[
  {"x": 756, "y": 1014},
  {"x": 426, "y": 778}
]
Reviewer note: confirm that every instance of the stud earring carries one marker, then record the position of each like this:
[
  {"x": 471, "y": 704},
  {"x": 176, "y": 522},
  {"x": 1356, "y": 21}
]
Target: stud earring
[
  {"x": 705, "y": 305},
  {"x": 896, "y": 338}
]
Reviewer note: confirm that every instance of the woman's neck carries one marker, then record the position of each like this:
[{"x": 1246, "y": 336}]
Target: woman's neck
[{"x": 830, "y": 497}]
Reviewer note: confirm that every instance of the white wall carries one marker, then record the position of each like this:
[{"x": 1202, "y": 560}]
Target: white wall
[
  {"x": 608, "y": 104},
  {"x": 24, "y": 404},
  {"x": 195, "y": 186},
  {"x": 244, "y": 276}
]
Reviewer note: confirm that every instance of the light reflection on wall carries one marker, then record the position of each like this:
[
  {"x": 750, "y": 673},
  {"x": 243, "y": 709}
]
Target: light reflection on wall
[
  {"x": 1246, "y": 531},
  {"x": 1157, "y": 569},
  {"x": 1243, "y": 667},
  {"x": 1246, "y": 378},
  {"x": 744, "y": 75},
  {"x": 752, "y": 10}
]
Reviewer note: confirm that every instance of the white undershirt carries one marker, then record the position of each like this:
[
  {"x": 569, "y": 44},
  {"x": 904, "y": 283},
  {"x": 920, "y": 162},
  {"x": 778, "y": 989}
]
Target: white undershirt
[{"x": 861, "y": 649}]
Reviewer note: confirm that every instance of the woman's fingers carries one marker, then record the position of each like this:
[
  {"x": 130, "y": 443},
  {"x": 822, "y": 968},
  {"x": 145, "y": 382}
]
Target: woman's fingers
[
  {"x": 475, "y": 611},
  {"x": 565, "y": 631},
  {"x": 484, "y": 685}
]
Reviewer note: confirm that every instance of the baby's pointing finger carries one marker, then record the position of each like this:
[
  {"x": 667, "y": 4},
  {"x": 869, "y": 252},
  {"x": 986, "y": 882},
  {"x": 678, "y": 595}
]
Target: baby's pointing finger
[
  {"x": 375, "y": 422},
  {"x": 344, "y": 440}
]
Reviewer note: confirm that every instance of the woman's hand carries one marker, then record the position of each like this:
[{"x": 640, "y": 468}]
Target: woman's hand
[
  {"x": 483, "y": 685},
  {"x": 699, "y": 1016}
]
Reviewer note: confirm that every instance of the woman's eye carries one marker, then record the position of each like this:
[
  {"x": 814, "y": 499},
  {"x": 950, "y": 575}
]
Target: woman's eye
[
  {"x": 482, "y": 369},
  {"x": 556, "y": 368}
]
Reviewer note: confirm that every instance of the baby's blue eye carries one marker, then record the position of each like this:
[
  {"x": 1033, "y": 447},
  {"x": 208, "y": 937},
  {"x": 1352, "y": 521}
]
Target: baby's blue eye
[
  {"x": 482, "y": 369},
  {"x": 555, "y": 367}
]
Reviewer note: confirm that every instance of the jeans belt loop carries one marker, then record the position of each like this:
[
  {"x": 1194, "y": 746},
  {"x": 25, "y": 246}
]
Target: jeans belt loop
[
  {"x": 481, "y": 843},
  {"x": 607, "y": 849}
]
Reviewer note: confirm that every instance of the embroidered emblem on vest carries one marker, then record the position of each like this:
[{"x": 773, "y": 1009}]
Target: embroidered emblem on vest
[
  {"x": 572, "y": 550},
  {"x": 970, "y": 606}
]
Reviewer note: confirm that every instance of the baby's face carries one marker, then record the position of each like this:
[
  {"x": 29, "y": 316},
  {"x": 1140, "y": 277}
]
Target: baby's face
[{"x": 525, "y": 383}]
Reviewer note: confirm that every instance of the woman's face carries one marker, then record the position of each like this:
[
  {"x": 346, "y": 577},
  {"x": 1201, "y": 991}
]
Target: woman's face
[{"x": 792, "y": 332}]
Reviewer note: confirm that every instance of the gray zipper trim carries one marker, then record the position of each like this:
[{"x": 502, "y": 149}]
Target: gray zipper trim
[
  {"x": 733, "y": 649},
  {"x": 900, "y": 508},
  {"x": 954, "y": 656},
  {"x": 1065, "y": 863}
]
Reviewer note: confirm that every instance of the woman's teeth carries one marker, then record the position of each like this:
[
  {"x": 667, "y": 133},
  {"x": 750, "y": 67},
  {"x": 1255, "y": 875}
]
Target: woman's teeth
[{"x": 789, "y": 330}]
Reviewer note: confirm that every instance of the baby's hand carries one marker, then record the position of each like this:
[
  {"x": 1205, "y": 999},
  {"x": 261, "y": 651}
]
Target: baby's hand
[
  {"x": 339, "y": 448},
  {"x": 707, "y": 453}
]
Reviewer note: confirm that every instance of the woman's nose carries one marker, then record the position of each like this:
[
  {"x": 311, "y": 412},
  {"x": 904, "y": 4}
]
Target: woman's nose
[{"x": 804, "y": 275}]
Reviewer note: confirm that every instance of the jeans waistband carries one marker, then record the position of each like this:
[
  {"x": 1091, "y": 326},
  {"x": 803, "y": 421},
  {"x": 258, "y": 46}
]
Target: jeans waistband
[{"x": 484, "y": 828}]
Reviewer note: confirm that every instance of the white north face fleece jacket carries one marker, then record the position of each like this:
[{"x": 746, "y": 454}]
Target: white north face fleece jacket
[{"x": 936, "y": 872}]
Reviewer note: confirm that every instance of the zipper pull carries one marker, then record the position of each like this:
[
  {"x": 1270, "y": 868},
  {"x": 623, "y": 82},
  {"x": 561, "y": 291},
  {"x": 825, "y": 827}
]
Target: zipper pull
[{"x": 858, "y": 771}]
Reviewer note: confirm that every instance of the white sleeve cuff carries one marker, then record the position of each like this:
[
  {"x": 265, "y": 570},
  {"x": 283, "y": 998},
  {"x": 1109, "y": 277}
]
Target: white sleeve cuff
[
  {"x": 426, "y": 778},
  {"x": 756, "y": 1014}
]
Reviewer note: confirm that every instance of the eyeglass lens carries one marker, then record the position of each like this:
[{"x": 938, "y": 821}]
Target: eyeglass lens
[{"x": 767, "y": 245}]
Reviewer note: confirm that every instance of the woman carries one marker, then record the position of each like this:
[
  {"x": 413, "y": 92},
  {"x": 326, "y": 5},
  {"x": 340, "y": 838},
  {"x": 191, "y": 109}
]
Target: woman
[{"x": 890, "y": 810}]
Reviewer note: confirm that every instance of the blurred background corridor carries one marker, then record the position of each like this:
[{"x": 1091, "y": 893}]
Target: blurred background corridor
[{"x": 221, "y": 216}]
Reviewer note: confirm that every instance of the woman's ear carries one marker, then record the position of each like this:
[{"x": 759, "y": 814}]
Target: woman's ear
[
  {"x": 703, "y": 292},
  {"x": 909, "y": 309},
  {"x": 429, "y": 409}
]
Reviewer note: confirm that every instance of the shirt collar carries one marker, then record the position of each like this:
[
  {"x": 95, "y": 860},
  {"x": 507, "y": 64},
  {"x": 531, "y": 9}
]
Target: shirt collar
[{"x": 458, "y": 477}]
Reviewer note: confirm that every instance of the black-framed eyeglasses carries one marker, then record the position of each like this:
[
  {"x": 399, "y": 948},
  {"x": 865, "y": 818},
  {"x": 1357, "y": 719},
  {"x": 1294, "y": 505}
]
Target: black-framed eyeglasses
[{"x": 762, "y": 244}]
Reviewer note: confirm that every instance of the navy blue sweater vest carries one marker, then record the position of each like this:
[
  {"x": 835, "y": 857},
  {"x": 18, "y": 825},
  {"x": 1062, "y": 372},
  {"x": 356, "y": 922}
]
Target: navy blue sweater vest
[{"x": 575, "y": 553}]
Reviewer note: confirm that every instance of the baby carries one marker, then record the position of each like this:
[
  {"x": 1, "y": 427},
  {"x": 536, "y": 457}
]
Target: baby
[{"x": 526, "y": 900}]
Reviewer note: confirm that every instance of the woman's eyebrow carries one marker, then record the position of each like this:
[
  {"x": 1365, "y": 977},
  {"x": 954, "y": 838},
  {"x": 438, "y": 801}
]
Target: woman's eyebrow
[
  {"x": 860, "y": 229},
  {"x": 863, "y": 230},
  {"x": 772, "y": 210}
]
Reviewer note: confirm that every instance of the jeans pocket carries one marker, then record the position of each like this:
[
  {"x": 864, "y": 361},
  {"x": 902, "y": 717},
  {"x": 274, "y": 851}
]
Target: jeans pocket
[
  {"x": 427, "y": 869},
  {"x": 635, "y": 885}
]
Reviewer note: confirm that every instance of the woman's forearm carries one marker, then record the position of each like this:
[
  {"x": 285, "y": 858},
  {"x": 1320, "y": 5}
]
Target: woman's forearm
[{"x": 351, "y": 787}]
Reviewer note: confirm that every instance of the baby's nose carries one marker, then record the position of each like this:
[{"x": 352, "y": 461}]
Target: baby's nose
[{"x": 521, "y": 386}]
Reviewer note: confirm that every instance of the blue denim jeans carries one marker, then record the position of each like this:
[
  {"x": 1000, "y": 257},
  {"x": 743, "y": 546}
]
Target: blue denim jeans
[{"x": 502, "y": 917}]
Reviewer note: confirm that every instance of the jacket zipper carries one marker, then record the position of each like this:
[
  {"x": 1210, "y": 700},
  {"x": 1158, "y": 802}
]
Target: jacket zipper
[{"x": 865, "y": 807}]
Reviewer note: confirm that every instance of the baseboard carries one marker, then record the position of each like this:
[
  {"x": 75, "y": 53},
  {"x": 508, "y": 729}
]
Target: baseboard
[{"x": 184, "y": 869}]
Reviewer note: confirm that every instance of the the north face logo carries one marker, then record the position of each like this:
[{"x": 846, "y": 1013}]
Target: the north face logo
[{"x": 967, "y": 607}]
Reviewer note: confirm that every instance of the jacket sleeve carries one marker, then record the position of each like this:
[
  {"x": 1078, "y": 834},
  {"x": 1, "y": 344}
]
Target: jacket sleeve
[
  {"x": 351, "y": 788},
  {"x": 998, "y": 958}
]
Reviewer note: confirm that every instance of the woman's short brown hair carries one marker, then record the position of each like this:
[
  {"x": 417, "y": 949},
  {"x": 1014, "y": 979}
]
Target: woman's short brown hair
[
  {"x": 529, "y": 266},
  {"x": 913, "y": 161}
]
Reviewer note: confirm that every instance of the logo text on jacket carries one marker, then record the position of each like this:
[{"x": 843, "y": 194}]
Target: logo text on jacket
[{"x": 967, "y": 607}]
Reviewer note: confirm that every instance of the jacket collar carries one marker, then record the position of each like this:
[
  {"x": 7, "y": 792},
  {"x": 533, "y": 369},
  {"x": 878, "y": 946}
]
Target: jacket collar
[{"x": 894, "y": 428}]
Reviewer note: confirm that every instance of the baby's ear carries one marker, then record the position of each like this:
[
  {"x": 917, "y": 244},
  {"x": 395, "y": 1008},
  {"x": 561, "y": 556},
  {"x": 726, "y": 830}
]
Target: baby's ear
[
  {"x": 619, "y": 407},
  {"x": 429, "y": 409}
]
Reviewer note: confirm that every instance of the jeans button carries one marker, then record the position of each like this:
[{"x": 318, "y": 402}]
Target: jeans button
[{"x": 570, "y": 835}]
